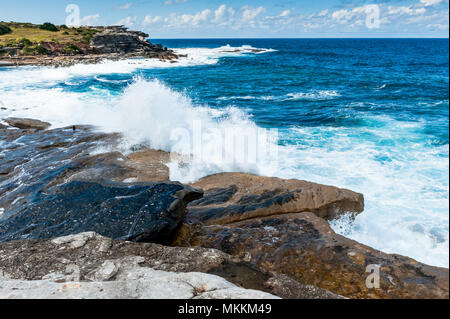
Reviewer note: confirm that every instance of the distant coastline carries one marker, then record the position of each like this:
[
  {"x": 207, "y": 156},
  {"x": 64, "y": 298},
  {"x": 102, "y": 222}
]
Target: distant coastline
[{"x": 48, "y": 44}]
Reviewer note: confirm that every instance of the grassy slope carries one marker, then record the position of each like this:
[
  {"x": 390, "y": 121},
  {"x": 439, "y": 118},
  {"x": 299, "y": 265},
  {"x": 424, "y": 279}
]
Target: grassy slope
[{"x": 36, "y": 35}]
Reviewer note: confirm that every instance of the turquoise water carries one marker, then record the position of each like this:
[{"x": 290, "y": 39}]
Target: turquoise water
[{"x": 368, "y": 115}]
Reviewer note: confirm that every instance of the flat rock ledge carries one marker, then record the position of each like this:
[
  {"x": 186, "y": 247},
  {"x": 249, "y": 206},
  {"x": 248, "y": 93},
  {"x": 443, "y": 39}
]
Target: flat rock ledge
[
  {"x": 24, "y": 123},
  {"x": 267, "y": 234},
  {"x": 88, "y": 265},
  {"x": 281, "y": 225}
]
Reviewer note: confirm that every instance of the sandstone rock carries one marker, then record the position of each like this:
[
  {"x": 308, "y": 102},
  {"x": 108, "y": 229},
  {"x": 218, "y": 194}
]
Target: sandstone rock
[
  {"x": 141, "y": 283},
  {"x": 92, "y": 266},
  {"x": 303, "y": 246},
  {"x": 120, "y": 40},
  {"x": 146, "y": 165},
  {"x": 48, "y": 158},
  {"x": 231, "y": 197},
  {"x": 138, "y": 212},
  {"x": 40, "y": 159},
  {"x": 24, "y": 123}
]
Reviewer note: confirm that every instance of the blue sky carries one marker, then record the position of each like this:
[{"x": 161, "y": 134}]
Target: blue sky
[{"x": 248, "y": 18}]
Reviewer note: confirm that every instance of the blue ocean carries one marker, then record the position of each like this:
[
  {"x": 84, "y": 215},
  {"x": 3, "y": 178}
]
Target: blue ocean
[{"x": 370, "y": 115}]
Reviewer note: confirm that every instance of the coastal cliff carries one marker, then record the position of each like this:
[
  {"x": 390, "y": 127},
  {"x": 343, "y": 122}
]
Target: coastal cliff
[
  {"x": 29, "y": 44},
  {"x": 121, "y": 223}
]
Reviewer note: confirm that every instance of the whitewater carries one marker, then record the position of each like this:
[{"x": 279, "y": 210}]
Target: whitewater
[{"x": 405, "y": 185}]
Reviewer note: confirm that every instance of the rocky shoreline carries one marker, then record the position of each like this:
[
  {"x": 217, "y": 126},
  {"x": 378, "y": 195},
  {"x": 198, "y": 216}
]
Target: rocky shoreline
[
  {"x": 108, "y": 43},
  {"x": 77, "y": 225}
]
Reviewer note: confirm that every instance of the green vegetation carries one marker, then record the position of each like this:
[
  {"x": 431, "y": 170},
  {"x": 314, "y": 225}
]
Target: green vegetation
[
  {"x": 88, "y": 34},
  {"x": 41, "y": 50},
  {"x": 49, "y": 27},
  {"x": 72, "y": 49},
  {"x": 25, "y": 42},
  {"x": 29, "y": 39},
  {"x": 4, "y": 29}
]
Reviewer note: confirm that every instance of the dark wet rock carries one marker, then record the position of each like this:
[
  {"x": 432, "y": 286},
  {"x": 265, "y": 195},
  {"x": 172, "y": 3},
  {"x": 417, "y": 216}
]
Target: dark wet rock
[
  {"x": 304, "y": 247},
  {"x": 231, "y": 197},
  {"x": 88, "y": 257},
  {"x": 24, "y": 123},
  {"x": 138, "y": 212},
  {"x": 33, "y": 161},
  {"x": 42, "y": 172},
  {"x": 120, "y": 40}
]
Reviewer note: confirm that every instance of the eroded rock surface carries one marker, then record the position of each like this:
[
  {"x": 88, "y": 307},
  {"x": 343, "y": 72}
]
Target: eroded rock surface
[
  {"x": 24, "y": 123},
  {"x": 232, "y": 197},
  {"x": 120, "y": 40},
  {"x": 88, "y": 265},
  {"x": 303, "y": 246},
  {"x": 139, "y": 212}
]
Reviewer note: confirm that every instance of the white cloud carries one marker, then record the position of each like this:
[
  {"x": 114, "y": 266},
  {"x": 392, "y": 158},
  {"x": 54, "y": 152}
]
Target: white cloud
[
  {"x": 223, "y": 15},
  {"x": 285, "y": 13},
  {"x": 405, "y": 10},
  {"x": 437, "y": 26},
  {"x": 412, "y": 18},
  {"x": 323, "y": 13},
  {"x": 90, "y": 20},
  {"x": 149, "y": 20},
  {"x": 342, "y": 15},
  {"x": 250, "y": 14},
  {"x": 177, "y": 21},
  {"x": 428, "y": 3},
  {"x": 128, "y": 22},
  {"x": 125, "y": 6},
  {"x": 354, "y": 18},
  {"x": 169, "y": 2}
]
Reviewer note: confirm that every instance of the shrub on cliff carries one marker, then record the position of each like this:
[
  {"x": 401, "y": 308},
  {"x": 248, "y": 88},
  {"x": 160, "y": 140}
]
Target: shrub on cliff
[
  {"x": 25, "y": 42},
  {"x": 49, "y": 27},
  {"x": 88, "y": 34},
  {"x": 4, "y": 29},
  {"x": 41, "y": 50},
  {"x": 72, "y": 49}
]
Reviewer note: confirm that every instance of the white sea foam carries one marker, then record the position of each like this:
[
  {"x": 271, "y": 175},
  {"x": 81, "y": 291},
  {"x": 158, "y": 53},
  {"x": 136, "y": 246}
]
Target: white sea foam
[
  {"x": 310, "y": 95},
  {"x": 405, "y": 185},
  {"x": 48, "y": 76},
  {"x": 313, "y": 95}
]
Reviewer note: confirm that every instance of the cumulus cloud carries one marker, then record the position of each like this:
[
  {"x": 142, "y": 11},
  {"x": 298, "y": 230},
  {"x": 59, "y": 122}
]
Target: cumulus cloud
[
  {"x": 129, "y": 22},
  {"x": 429, "y": 3},
  {"x": 323, "y": 13},
  {"x": 383, "y": 17},
  {"x": 125, "y": 6},
  {"x": 177, "y": 21},
  {"x": 223, "y": 15},
  {"x": 169, "y": 2},
  {"x": 90, "y": 20},
  {"x": 285, "y": 13},
  {"x": 345, "y": 15},
  {"x": 250, "y": 14},
  {"x": 405, "y": 10},
  {"x": 149, "y": 20}
]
